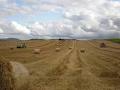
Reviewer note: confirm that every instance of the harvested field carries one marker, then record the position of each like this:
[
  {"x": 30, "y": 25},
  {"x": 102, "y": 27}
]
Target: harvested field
[{"x": 68, "y": 64}]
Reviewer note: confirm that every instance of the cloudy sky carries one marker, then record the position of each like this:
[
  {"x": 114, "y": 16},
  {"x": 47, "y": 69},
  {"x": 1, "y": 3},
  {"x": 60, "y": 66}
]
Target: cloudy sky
[{"x": 81, "y": 19}]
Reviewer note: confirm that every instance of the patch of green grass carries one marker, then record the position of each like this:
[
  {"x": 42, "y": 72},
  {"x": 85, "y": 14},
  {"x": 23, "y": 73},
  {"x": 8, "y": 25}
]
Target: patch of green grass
[{"x": 115, "y": 40}]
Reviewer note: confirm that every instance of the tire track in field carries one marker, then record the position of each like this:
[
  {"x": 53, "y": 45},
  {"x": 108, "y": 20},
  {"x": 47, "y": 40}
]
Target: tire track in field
[
  {"x": 104, "y": 56},
  {"x": 67, "y": 74},
  {"x": 74, "y": 60},
  {"x": 110, "y": 54},
  {"x": 61, "y": 67},
  {"x": 44, "y": 72},
  {"x": 101, "y": 58},
  {"x": 77, "y": 75},
  {"x": 47, "y": 52},
  {"x": 114, "y": 64},
  {"x": 86, "y": 79},
  {"x": 107, "y": 75}
]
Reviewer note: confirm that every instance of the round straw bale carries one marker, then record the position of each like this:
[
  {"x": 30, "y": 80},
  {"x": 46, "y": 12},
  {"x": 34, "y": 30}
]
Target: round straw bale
[
  {"x": 57, "y": 49},
  {"x": 70, "y": 47},
  {"x": 57, "y": 44},
  {"x": 102, "y": 45},
  {"x": 60, "y": 44},
  {"x": 82, "y": 50},
  {"x": 13, "y": 76},
  {"x": 36, "y": 51},
  {"x": 6, "y": 76},
  {"x": 11, "y": 48}
]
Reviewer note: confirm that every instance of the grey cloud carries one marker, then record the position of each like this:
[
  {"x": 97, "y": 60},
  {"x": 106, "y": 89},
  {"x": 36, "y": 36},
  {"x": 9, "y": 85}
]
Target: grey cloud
[{"x": 82, "y": 19}]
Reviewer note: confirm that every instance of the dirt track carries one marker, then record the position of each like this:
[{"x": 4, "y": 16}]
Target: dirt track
[{"x": 69, "y": 69}]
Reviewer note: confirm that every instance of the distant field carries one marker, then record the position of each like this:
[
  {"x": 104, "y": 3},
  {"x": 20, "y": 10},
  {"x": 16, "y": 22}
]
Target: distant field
[
  {"x": 115, "y": 40},
  {"x": 68, "y": 64}
]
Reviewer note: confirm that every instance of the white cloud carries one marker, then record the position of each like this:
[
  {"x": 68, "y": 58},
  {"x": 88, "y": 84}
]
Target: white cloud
[
  {"x": 81, "y": 19},
  {"x": 1, "y": 31},
  {"x": 3, "y": 1},
  {"x": 18, "y": 28}
]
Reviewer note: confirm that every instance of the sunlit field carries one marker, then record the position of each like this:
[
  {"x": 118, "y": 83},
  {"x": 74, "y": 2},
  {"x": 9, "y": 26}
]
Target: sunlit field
[{"x": 65, "y": 64}]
